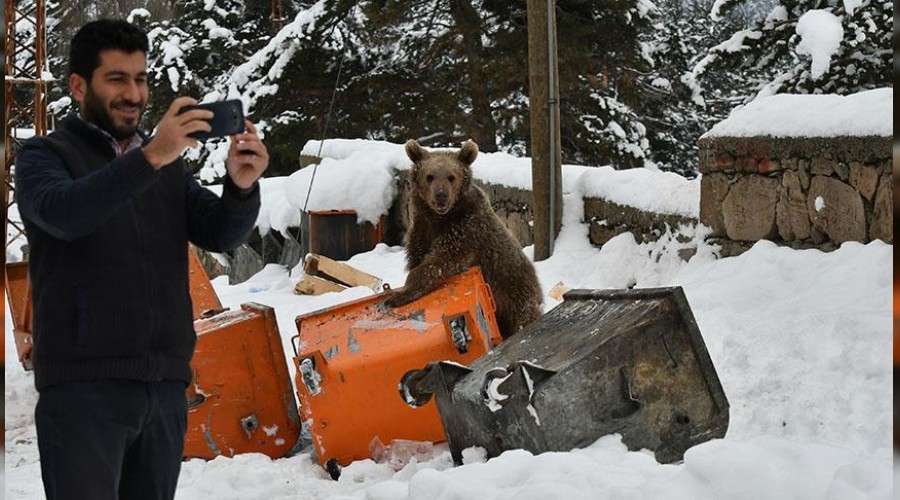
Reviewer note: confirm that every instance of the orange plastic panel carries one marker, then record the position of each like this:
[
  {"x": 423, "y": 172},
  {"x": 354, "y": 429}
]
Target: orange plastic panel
[
  {"x": 360, "y": 351},
  {"x": 18, "y": 292},
  {"x": 203, "y": 296},
  {"x": 241, "y": 399}
]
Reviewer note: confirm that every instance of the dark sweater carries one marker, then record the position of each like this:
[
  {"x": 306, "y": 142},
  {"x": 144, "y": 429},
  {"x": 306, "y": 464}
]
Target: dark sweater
[{"x": 108, "y": 239}]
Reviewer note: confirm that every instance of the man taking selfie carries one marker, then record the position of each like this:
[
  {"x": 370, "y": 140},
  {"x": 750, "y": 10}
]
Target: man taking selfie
[{"x": 109, "y": 213}]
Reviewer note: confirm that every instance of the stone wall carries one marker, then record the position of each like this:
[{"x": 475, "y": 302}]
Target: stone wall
[
  {"x": 608, "y": 220},
  {"x": 801, "y": 192},
  {"x": 512, "y": 205}
]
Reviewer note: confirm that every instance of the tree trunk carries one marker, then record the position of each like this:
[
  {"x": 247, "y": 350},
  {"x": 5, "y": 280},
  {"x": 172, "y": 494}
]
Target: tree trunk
[{"x": 482, "y": 128}]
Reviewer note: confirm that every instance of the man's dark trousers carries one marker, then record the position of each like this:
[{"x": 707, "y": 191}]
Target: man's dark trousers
[{"x": 111, "y": 439}]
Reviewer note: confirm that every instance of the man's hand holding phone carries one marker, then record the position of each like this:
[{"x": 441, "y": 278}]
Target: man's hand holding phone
[
  {"x": 186, "y": 123},
  {"x": 228, "y": 118},
  {"x": 173, "y": 132},
  {"x": 247, "y": 158}
]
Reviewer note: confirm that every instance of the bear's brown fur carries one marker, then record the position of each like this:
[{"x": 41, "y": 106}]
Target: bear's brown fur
[{"x": 453, "y": 227}]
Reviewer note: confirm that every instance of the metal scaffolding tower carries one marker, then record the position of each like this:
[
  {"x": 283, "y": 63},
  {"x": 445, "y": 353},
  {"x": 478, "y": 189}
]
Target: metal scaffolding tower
[
  {"x": 25, "y": 96},
  {"x": 25, "y": 91}
]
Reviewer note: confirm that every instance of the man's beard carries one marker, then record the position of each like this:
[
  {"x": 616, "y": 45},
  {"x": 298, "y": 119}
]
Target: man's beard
[{"x": 94, "y": 111}]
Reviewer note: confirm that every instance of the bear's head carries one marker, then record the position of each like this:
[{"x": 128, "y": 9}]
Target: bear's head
[{"x": 440, "y": 178}]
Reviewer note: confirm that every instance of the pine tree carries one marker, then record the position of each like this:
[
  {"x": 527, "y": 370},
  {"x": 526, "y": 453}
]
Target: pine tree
[
  {"x": 774, "y": 47},
  {"x": 64, "y": 18},
  {"x": 600, "y": 66},
  {"x": 202, "y": 41},
  {"x": 191, "y": 52},
  {"x": 443, "y": 87},
  {"x": 675, "y": 120}
]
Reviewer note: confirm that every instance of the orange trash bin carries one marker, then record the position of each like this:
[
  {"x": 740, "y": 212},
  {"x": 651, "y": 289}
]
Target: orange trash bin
[
  {"x": 241, "y": 399},
  {"x": 18, "y": 293},
  {"x": 352, "y": 360}
]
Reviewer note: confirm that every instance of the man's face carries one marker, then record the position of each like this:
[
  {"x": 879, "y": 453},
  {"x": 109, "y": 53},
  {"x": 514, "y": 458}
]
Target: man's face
[{"x": 116, "y": 96}]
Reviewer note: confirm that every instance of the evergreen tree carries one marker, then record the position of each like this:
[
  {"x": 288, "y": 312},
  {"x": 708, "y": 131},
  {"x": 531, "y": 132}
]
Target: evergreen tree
[
  {"x": 601, "y": 60},
  {"x": 191, "y": 51},
  {"x": 675, "y": 120},
  {"x": 289, "y": 82},
  {"x": 202, "y": 41},
  {"x": 774, "y": 47},
  {"x": 453, "y": 70},
  {"x": 402, "y": 70},
  {"x": 435, "y": 49},
  {"x": 64, "y": 18}
]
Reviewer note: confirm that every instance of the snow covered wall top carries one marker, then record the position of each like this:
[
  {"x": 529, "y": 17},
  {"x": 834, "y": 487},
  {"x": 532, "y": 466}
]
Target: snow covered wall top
[{"x": 869, "y": 113}]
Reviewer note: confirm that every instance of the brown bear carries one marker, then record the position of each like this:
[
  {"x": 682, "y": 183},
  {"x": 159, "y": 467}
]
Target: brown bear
[{"x": 452, "y": 228}]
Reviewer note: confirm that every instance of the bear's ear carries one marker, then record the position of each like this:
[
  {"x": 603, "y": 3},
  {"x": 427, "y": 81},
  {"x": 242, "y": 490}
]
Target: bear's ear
[
  {"x": 415, "y": 152},
  {"x": 468, "y": 153}
]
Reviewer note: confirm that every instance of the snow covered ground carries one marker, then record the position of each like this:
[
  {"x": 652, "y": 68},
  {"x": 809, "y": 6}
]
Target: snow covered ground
[{"x": 801, "y": 341}]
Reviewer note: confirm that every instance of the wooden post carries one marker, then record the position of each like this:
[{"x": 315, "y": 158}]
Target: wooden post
[{"x": 546, "y": 171}]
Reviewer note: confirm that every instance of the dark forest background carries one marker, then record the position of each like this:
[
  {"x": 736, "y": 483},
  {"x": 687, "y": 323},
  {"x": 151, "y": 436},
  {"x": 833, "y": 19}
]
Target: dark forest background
[{"x": 640, "y": 81}]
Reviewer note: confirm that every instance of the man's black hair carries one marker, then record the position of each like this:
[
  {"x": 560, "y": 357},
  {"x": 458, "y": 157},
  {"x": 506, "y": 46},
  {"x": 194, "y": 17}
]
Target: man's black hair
[{"x": 104, "y": 34}]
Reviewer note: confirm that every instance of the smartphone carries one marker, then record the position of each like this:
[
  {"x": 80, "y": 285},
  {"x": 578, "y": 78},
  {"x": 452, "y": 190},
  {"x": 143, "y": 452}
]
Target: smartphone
[{"x": 228, "y": 118}]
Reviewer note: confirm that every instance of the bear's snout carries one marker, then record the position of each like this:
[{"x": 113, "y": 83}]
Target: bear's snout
[{"x": 441, "y": 200}]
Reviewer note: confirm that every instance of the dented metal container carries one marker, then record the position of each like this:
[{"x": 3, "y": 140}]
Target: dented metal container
[
  {"x": 241, "y": 399},
  {"x": 338, "y": 234},
  {"x": 354, "y": 359},
  {"x": 631, "y": 362}
]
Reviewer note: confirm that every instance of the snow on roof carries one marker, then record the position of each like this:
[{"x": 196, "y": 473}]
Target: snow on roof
[{"x": 869, "y": 113}]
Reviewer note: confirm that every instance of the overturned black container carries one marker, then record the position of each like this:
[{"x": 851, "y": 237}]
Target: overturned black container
[{"x": 631, "y": 362}]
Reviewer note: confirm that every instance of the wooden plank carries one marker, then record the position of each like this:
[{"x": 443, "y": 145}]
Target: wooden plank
[
  {"x": 339, "y": 272},
  {"x": 314, "y": 285}
]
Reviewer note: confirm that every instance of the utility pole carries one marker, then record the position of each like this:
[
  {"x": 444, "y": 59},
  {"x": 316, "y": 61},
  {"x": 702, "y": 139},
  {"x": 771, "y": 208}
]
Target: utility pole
[
  {"x": 276, "y": 19},
  {"x": 546, "y": 159}
]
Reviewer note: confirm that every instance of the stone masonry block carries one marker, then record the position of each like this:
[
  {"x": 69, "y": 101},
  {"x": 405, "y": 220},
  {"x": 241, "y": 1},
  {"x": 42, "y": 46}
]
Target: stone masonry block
[
  {"x": 882, "y": 225},
  {"x": 791, "y": 215},
  {"x": 713, "y": 188},
  {"x": 749, "y": 209},
  {"x": 864, "y": 178},
  {"x": 836, "y": 209}
]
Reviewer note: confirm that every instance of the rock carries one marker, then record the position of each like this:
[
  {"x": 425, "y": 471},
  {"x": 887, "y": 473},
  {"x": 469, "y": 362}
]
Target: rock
[
  {"x": 713, "y": 189},
  {"x": 749, "y": 209},
  {"x": 882, "y": 225},
  {"x": 791, "y": 214},
  {"x": 836, "y": 209},
  {"x": 864, "y": 178}
]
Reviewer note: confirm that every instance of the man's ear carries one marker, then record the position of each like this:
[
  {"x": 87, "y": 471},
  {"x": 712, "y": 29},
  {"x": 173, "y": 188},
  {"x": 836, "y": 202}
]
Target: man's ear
[{"x": 78, "y": 86}]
